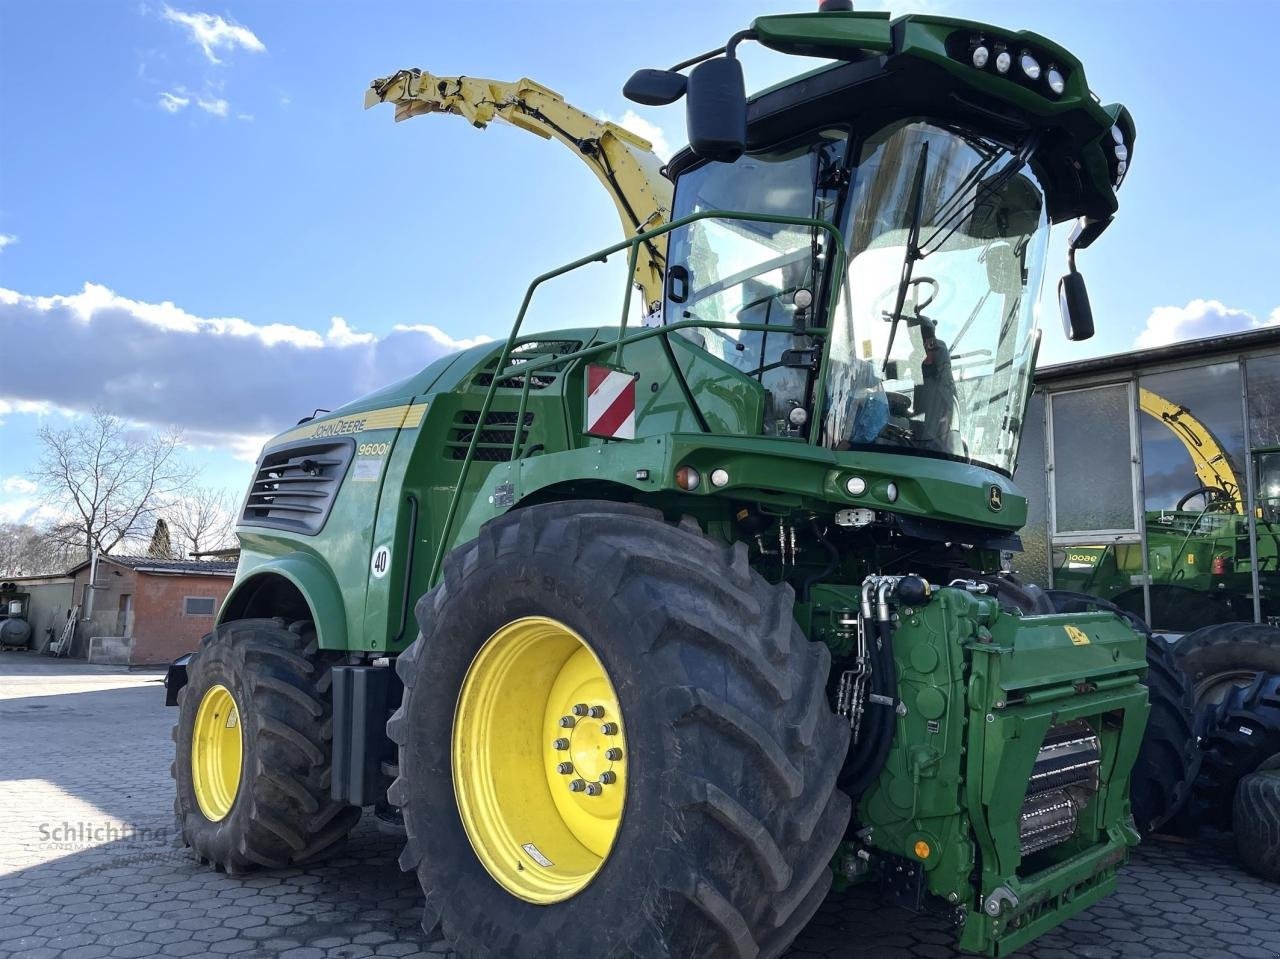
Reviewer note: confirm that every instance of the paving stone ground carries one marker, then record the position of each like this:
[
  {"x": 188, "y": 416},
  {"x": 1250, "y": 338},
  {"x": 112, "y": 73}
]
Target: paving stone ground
[{"x": 89, "y": 867}]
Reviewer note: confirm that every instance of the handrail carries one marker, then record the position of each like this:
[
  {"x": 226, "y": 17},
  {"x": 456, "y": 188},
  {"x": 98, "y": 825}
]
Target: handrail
[{"x": 502, "y": 372}]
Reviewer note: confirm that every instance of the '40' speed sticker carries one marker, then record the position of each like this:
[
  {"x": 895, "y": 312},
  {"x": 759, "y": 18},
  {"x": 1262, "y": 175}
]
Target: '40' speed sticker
[{"x": 381, "y": 562}]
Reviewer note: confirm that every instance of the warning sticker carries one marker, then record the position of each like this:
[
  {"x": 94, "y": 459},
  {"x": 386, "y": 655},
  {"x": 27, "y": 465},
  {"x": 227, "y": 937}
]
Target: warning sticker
[
  {"x": 1076, "y": 635},
  {"x": 231, "y": 720},
  {"x": 536, "y": 855}
]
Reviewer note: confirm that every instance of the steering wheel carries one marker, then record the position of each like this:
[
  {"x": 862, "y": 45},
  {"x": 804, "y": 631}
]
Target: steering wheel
[
  {"x": 1217, "y": 498},
  {"x": 891, "y": 294}
]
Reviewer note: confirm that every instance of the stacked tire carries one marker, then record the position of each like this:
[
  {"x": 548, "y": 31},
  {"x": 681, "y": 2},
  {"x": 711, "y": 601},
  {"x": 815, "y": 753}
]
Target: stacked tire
[{"x": 1235, "y": 673}]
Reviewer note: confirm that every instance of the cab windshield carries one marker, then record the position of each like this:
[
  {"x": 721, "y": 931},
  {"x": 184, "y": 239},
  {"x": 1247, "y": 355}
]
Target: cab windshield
[
  {"x": 931, "y": 346},
  {"x": 947, "y": 235}
]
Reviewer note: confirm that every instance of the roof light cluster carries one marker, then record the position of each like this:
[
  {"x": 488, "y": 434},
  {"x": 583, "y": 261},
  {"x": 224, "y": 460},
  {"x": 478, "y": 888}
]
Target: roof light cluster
[
  {"x": 1017, "y": 64},
  {"x": 1120, "y": 154}
]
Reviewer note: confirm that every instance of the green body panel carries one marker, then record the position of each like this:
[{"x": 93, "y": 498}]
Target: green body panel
[
  {"x": 308, "y": 572},
  {"x": 405, "y": 508},
  {"x": 980, "y": 689}
]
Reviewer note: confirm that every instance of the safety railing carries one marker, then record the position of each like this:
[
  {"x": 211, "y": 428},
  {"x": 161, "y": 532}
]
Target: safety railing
[{"x": 527, "y": 368}]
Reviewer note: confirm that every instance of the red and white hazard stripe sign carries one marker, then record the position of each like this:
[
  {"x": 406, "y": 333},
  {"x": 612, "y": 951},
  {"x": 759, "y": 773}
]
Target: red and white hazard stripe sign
[{"x": 611, "y": 403}]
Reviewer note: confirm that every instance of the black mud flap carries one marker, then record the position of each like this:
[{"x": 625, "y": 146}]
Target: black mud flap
[
  {"x": 175, "y": 678},
  {"x": 363, "y": 697}
]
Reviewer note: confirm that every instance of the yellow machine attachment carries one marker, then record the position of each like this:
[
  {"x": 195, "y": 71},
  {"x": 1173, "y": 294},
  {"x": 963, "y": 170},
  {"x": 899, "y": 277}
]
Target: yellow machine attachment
[
  {"x": 622, "y": 161},
  {"x": 1212, "y": 465}
]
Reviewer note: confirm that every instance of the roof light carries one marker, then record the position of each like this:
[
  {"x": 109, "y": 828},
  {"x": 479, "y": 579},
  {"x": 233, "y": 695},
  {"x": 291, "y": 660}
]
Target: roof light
[
  {"x": 688, "y": 478},
  {"x": 1030, "y": 65},
  {"x": 1122, "y": 153},
  {"x": 1003, "y": 61},
  {"x": 1117, "y": 134},
  {"x": 1057, "y": 82},
  {"x": 856, "y": 485},
  {"x": 891, "y": 492},
  {"x": 980, "y": 56},
  {"x": 719, "y": 477}
]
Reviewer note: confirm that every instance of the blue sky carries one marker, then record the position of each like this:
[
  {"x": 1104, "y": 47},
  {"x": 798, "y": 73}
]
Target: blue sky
[{"x": 215, "y": 157}]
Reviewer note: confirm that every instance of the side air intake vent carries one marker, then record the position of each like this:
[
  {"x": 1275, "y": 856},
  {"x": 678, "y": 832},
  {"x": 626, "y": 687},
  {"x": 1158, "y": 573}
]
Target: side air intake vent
[
  {"x": 295, "y": 486},
  {"x": 496, "y": 436},
  {"x": 525, "y": 353}
]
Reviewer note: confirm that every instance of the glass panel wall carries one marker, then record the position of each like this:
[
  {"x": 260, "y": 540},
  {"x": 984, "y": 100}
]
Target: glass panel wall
[
  {"x": 1195, "y": 490},
  {"x": 1092, "y": 472},
  {"x": 1263, "y": 375}
]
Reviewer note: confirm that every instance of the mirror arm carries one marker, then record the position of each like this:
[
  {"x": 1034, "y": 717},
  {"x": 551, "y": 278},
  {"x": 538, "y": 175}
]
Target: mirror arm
[{"x": 731, "y": 48}]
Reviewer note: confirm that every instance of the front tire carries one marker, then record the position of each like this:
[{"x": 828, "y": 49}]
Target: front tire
[
  {"x": 728, "y": 812},
  {"x": 253, "y": 754}
]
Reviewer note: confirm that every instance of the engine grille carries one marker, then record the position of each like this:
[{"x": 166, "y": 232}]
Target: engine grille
[
  {"x": 527, "y": 352},
  {"x": 1063, "y": 780},
  {"x": 294, "y": 487},
  {"x": 496, "y": 435}
]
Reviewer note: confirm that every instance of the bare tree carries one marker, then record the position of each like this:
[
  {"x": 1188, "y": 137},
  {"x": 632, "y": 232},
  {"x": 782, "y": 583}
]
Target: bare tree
[
  {"x": 111, "y": 480},
  {"x": 200, "y": 520},
  {"x": 26, "y": 550}
]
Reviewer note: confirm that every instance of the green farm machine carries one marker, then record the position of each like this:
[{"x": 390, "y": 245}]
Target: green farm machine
[{"x": 649, "y": 634}]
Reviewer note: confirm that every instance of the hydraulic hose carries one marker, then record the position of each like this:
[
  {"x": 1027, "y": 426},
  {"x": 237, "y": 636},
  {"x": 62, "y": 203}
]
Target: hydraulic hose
[
  {"x": 863, "y": 767},
  {"x": 827, "y": 570}
]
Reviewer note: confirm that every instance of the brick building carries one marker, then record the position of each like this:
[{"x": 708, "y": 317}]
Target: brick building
[{"x": 160, "y": 607}]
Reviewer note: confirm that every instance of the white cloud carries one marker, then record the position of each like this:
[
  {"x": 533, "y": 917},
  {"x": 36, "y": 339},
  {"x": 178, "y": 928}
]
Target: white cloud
[
  {"x": 212, "y": 32},
  {"x": 172, "y": 102},
  {"x": 247, "y": 117},
  {"x": 226, "y": 381},
  {"x": 1196, "y": 320},
  {"x": 643, "y": 127},
  {"x": 18, "y": 484},
  {"x": 215, "y": 106},
  {"x": 7, "y": 239}
]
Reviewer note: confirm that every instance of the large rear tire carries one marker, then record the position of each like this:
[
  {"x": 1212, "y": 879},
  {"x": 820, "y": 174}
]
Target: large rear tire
[
  {"x": 1244, "y": 732},
  {"x": 1168, "y": 761},
  {"x": 719, "y": 832},
  {"x": 1256, "y": 820},
  {"x": 253, "y": 753},
  {"x": 1226, "y": 655}
]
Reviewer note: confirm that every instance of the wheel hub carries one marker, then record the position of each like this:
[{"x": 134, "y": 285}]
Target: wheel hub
[
  {"x": 539, "y": 760},
  {"x": 217, "y": 753}
]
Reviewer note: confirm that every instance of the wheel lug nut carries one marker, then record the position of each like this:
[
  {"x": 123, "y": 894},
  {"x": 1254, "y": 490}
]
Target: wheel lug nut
[
  {"x": 564, "y": 768},
  {"x": 613, "y": 755},
  {"x": 594, "y": 789},
  {"x": 561, "y": 743},
  {"x": 608, "y": 777},
  {"x": 577, "y": 786},
  {"x": 566, "y": 722},
  {"x": 596, "y": 712},
  {"x": 580, "y": 709},
  {"x": 609, "y": 729}
]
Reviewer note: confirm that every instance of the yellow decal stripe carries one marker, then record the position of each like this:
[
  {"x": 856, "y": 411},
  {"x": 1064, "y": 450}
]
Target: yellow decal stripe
[{"x": 408, "y": 417}]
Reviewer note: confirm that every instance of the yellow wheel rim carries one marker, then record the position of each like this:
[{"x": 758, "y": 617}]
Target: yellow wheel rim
[
  {"x": 539, "y": 760},
  {"x": 217, "y": 751}
]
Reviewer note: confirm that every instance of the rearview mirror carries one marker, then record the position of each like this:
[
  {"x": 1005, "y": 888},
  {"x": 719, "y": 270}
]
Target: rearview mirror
[
  {"x": 1073, "y": 300},
  {"x": 655, "y": 88},
  {"x": 716, "y": 104}
]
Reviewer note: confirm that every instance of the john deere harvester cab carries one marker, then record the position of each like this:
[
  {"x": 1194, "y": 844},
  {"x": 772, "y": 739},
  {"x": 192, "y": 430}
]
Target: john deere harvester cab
[{"x": 679, "y": 621}]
